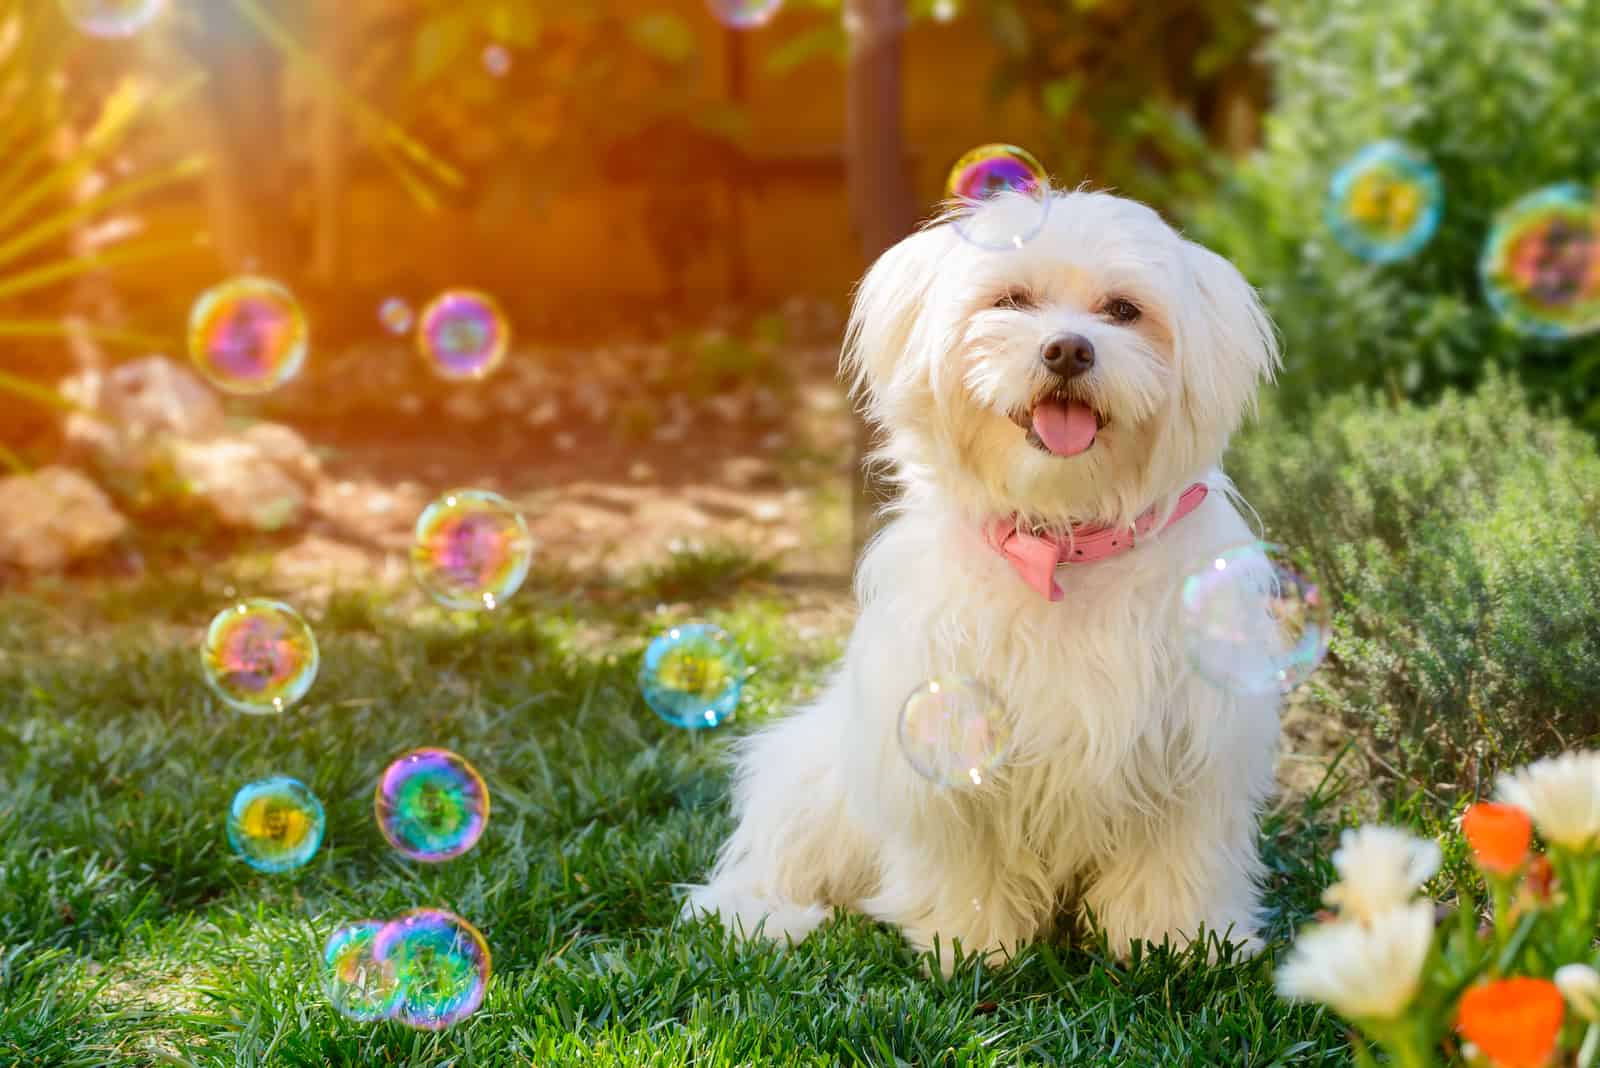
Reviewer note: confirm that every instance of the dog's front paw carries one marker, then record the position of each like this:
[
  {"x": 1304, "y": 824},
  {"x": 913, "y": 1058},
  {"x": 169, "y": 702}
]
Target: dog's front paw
[{"x": 748, "y": 915}]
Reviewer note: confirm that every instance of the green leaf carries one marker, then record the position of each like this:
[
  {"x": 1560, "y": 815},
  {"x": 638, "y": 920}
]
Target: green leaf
[
  {"x": 1058, "y": 95},
  {"x": 827, "y": 40},
  {"x": 664, "y": 35},
  {"x": 440, "y": 42}
]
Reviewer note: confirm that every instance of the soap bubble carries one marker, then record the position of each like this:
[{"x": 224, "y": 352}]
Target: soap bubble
[
  {"x": 247, "y": 335},
  {"x": 463, "y": 334},
  {"x": 356, "y": 984},
  {"x": 111, "y": 18},
  {"x": 497, "y": 60},
  {"x": 692, "y": 675},
  {"x": 1541, "y": 263},
  {"x": 441, "y": 963},
  {"x": 259, "y": 656},
  {"x": 1385, "y": 204},
  {"x": 1252, "y": 624},
  {"x": 954, "y": 732},
  {"x": 744, "y": 14},
  {"x": 276, "y": 824},
  {"x": 471, "y": 550},
  {"x": 395, "y": 315},
  {"x": 1004, "y": 196},
  {"x": 432, "y": 805}
]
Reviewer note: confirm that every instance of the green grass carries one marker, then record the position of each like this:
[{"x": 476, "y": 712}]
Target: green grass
[{"x": 130, "y": 936}]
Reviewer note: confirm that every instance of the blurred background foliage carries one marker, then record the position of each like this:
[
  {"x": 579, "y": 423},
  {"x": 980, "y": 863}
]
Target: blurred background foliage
[{"x": 1501, "y": 95}]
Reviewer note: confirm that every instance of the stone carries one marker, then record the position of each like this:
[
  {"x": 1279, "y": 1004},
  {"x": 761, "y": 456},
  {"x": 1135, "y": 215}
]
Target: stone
[
  {"x": 260, "y": 479},
  {"x": 156, "y": 396},
  {"x": 53, "y": 517}
]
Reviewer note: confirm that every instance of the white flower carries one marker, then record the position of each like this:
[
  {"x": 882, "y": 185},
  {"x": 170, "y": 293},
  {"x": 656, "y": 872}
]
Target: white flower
[
  {"x": 1562, "y": 794},
  {"x": 1380, "y": 868},
  {"x": 1362, "y": 971},
  {"x": 1580, "y": 985}
]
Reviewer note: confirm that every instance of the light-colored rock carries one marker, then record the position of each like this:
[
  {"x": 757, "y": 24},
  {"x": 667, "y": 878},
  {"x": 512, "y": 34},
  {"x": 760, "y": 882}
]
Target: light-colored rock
[
  {"x": 158, "y": 396},
  {"x": 261, "y": 479},
  {"x": 53, "y": 517}
]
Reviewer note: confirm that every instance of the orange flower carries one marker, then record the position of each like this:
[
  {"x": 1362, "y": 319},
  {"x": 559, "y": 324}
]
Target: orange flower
[
  {"x": 1499, "y": 836},
  {"x": 1514, "y": 1022},
  {"x": 1541, "y": 879}
]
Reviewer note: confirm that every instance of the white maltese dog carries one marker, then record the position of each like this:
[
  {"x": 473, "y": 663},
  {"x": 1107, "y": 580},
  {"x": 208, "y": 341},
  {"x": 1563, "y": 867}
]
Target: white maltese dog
[{"x": 1053, "y": 415}]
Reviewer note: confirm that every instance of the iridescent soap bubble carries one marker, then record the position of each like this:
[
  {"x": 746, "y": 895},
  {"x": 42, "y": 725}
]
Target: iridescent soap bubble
[
  {"x": 471, "y": 549},
  {"x": 1003, "y": 196},
  {"x": 432, "y": 805},
  {"x": 111, "y": 18},
  {"x": 463, "y": 334},
  {"x": 1541, "y": 263},
  {"x": 1252, "y": 624},
  {"x": 1385, "y": 204},
  {"x": 276, "y": 824},
  {"x": 744, "y": 14},
  {"x": 395, "y": 315},
  {"x": 692, "y": 675},
  {"x": 247, "y": 335},
  {"x": 357, "y": 985},
  {"x": 954, "y": 732},
  {"x": 259, "y": 656},
  {"x": 497, "y": 60},
  {"x": 441, "y": 963}
]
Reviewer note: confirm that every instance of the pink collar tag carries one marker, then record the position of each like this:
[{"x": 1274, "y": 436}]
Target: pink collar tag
[{"x": 1035, "y": 557}]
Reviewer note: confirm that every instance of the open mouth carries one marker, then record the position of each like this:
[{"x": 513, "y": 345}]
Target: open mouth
[{"x": 1060, "y": 424}]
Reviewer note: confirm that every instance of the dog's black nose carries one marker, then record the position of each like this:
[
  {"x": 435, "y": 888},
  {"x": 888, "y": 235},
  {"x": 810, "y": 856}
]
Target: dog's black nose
[{"x": 1068, "y": 355}]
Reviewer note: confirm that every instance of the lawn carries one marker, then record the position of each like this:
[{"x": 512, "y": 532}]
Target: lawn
[{"x": 131, "y": 935}]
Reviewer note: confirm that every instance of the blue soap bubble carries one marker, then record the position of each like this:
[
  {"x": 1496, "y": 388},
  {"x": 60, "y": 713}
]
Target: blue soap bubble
[
  {"x": 1384, "y": 205},
  {"x": 1003, "y": 195},
  {"x": 692, "y": 676},
  {"x": 276, "y": 824}
]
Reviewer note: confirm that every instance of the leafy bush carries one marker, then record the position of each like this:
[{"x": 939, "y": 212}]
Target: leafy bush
[
  {"x": 1461, "y": 544},
  {"x": 1501, "y": 95}
]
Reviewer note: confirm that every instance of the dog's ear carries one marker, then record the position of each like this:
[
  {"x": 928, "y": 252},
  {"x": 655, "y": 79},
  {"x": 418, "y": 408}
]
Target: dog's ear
[
  {"x": 1225, "y": 344},
  {"x": 884, "y": 318}
]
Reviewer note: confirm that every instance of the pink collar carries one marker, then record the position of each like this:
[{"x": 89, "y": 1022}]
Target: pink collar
[{"x": 1035, "y": 557}]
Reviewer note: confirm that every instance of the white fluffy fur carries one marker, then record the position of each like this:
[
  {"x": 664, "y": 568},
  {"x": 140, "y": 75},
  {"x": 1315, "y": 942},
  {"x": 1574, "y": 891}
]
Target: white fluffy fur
[{"x": 1135, "y": 785}]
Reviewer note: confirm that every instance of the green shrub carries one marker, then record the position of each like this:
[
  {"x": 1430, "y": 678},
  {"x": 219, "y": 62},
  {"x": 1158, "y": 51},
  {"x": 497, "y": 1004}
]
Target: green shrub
[
  {"x": 1502, "y": 96},
  {"x": 1461, "y": 545}
]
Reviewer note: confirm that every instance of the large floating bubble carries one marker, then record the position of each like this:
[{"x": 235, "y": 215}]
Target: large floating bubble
[
  {"x": 954, "y": 732},
  {"x": 259, "y": 656},
  {"x": 275, "y": 825},
  {"x": 441, "y": 963},
  {"x": 692, "y": 675},
  {"x": 463, "y": 334},
  {"x": 356, "y": 984},
  {"x": 1004, "y": 195},
  {"x": 1541, "y": 263},
  {"x": 1252, "y": 624},
  {"x": 1385, "y": 204},
  {"x": 432, "y": 805},
  {"x": 471, "y": 549},
  {"x": 247, "y": 335}
]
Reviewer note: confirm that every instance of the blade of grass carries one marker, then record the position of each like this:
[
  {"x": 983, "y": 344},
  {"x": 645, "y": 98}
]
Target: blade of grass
[
  {"x": 60, "y": 270},
  {"x": 63, "y": 221},
  {"x": 70, "y": 328}
]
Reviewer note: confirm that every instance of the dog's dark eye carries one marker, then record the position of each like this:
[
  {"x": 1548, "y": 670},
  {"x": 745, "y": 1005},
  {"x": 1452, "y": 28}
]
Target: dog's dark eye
[
  {"x": 1120, "y": 310},
  {"x": 1015, "y": 300}
]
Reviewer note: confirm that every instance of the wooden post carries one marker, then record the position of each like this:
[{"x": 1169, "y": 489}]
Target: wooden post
[{"x": 881, "y": 200}]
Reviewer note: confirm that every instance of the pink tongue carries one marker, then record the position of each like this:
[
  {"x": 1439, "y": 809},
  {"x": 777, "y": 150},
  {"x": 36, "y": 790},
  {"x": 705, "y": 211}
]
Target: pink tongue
[{"x": 1066, "y": 427}]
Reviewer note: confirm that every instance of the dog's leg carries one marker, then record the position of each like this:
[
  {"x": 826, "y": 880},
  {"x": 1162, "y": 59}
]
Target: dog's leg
[
  {"x": 794, "y": 852},
  {"x": 1199, "y": 868},
  {"x": 956, "y": 892}
]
